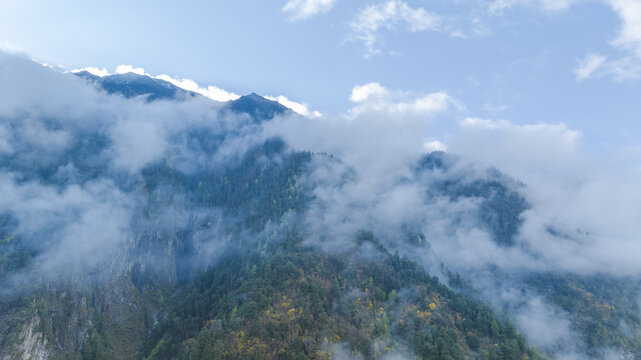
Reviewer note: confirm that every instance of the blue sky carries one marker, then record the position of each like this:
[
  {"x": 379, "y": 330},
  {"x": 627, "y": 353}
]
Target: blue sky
[{"x": 524, "y": 61}]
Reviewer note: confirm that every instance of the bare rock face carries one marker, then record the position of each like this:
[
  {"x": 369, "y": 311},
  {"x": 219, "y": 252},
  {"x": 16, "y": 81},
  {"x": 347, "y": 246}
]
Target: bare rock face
[{"x": 33, "y": 344}]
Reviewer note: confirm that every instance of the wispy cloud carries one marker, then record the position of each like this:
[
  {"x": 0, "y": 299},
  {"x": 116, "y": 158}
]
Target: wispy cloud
[
  {"x": 628, "y": 40},
  {"x": 588, "y": 66},
  {"x": 389, "y": 16},
  {"x": 621, "y": 67},
  {"x": 304, "y": 9},
  {"x": 629, "y": 36}
]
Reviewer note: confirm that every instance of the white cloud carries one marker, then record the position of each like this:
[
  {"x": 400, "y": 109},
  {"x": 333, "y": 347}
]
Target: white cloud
[
  {"x": 212, "y": 92},
  {"x": 519, "y": 150},
  {"x": 93, "y": 70},
  {"x": 304, "y": 9},
  {"x": 361, "y": 93},
  {"x": 630, "y": 33},
  {"x": 431, "y": 103},
  {"x": 123, "y": 69},
  {"x": 588, "y": 66},
  {"x": 373, "y": 97},
  {"x": 591, "y": 205},
  {"x": 434, "y": 145},
  {"x": 300, "y": 108},
  {"x": 218, "y": 94},
  {"x": 389, "y": 16},
  {"x": 137, "y": 143},
  {"x": 386, "y": 125},
  {"x": 622, "y": 69},
  {"x": 628, "y": 39}
]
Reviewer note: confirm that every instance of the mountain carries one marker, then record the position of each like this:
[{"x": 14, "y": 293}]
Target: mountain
[
  {"x": 131, "y": 85},
  {"x": 258, "y": 107},
  {"x": 178, "y": 230},
  {"x": 265, "y": 296}
]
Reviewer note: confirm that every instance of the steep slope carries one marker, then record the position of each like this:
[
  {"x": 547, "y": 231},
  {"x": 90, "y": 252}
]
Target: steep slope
[{"x": 294, "y": 303}]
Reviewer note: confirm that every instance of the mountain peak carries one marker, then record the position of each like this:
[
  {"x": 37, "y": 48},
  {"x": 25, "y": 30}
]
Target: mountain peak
[{"x": 258, "y": 107}]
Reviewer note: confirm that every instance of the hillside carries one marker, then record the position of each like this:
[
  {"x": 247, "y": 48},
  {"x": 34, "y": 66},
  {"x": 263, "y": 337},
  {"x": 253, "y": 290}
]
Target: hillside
[{"x": 143, "y": 222}]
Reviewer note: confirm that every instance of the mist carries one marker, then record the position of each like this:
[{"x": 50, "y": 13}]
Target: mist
[
  {"x": 581, "y": 215},
  {"x": 73, "y": 158}
]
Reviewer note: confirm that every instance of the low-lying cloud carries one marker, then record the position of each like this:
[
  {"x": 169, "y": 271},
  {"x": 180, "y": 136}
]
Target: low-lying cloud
[
  {"x": 71, "y": 158},
  {"x": 582, "y": 216}
]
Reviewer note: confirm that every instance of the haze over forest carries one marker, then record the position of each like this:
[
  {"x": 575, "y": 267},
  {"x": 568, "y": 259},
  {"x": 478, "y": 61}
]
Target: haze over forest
[{"x": 461, "y": 180}]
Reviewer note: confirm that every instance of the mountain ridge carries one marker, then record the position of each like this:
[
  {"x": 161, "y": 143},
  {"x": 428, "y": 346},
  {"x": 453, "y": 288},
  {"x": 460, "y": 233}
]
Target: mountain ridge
[{"x": 133, "y": 85}]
